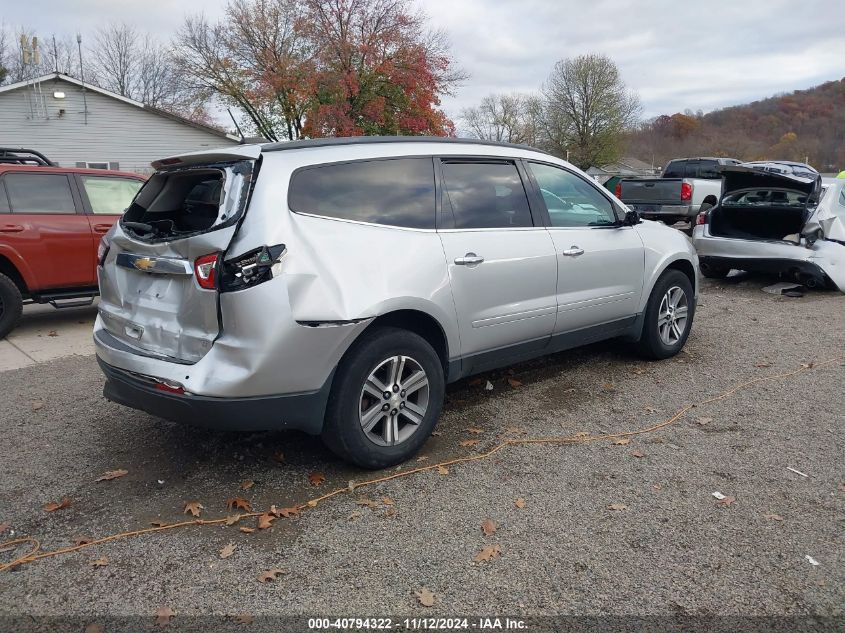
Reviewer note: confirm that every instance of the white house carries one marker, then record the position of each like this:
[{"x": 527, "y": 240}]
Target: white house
[{"x": 78, "y": 125}]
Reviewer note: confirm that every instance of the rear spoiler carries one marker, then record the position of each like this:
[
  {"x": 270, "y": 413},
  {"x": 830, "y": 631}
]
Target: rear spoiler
[{"x": 205, "y": 157}]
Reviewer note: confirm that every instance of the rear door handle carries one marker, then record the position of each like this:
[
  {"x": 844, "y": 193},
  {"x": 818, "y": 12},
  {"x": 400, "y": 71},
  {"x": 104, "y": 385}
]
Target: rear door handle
[
  {"x": 102, "y": 228},
  {"x": 470, "y": 259},
  {"x": 573, "y": 251}
]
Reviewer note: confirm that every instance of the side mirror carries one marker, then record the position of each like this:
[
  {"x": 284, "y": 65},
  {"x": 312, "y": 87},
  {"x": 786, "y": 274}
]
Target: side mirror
[{"x": 631, "y": 218}]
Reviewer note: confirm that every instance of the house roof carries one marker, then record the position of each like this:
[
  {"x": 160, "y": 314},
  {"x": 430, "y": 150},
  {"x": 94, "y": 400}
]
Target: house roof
[{"x": 114, "y": 95}]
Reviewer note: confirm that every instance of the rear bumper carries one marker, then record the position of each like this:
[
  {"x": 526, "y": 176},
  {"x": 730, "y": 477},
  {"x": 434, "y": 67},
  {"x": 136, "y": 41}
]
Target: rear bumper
[
  {"x": 801, "y": 271},
  {"x": 300, "y": 411},
  {"x": 657, "y": 210}
]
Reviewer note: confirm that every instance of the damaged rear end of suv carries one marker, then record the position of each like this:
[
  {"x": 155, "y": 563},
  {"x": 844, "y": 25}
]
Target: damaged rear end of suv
[{"x": 771, "y": 223}]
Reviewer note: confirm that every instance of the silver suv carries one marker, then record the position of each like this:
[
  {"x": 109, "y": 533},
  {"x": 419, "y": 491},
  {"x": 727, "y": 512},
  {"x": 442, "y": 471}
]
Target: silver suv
[{"x": 335, "y": 286}]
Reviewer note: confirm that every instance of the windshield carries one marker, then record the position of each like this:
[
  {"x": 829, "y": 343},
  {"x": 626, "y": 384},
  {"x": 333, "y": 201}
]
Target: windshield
[{"x": 765, "y": 198}]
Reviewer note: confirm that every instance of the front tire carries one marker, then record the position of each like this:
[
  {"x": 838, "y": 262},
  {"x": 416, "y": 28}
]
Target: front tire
[
  {"x": 668, "y": 316},
  {"x": 386, "y": 398},
  {"x": 11, "y": 305}
]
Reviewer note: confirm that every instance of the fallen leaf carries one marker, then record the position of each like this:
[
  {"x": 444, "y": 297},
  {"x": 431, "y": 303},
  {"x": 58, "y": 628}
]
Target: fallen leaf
[
  {"x": 519, "y": 503},
  {"x": 608, "y": 386},
  {"x": 311, "y": 503},
  {"x": 622, "y": 441},
  {"x": 246, "y": 530},
  {"x": 436, "y": 433},
  {"x": 351, "y": 485},
  {"x": 617, "y": 507},
  {"x": 773, "y": 517},
  {"x": 422, "y": 458},
  {"x": 657, "y": 487},
  {"x": 194, "y": 508},
  {"x": 489, "y": 527},
  {"x": 238, "y": 503},
  {"x": 474, "y": 429},
  {"x": 227, "y": 551},
  {"x": 442, "y": 470},
  {"x": 57, "y": 505},
  {"x": 726, "y": 501},
  {"x": 249, "y": 483},
  {"x": 425, "y": 596},
  {"x": 99, "y": 562},
  {"x": 763, "y": 365},
  {"x": 637, "y": 454},
  {"x": 387, "y": 501},
  {"x": 112, "y": 474},
  {"x": 639, "y": 372},
  {"x": 842, "y": 486},
  {"x": 4, "y": 527},
  {"x": 158, "y": 523},
  {"x": 285, "y": 512},
  {"x": 93, "y": 628},
  {"x": 354, "y": 516},
  {"x": 37, "y": 405},
  {"x": 82, "y": 540},
  {"x": 279, "y": 457},
  {"x": 703, "y": 421},
  {"x": 807, "y": 365},
  {"x": 232, "y": 519},
  {"x": 650, "y": 410},
  {"x": 514, "y": 383},
  {"x": 52, "y": 333},
  {"x": 488, "y": 553},
  {"x": 270, "y": 574},
  {"x": 470, "y": 442},
  {"x": 316, "y": 478},
  {"x": 163, "y": 615},
  {"x": 244, "y": 618},
  {"x": 265, "y": 521},
  {"x": 582, "y": 434},
  {"x": 390, "y": 512}
]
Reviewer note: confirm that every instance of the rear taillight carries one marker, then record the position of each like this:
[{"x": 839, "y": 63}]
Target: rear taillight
[
  {"x": 252, "y": 268},
  {"x": 686, "y": 191},
  {"x": 618, "y": 190},
  {"x": 102, "y": 250},
  {"x": 205, "y": 270},
  {"x": 701, "y": 219}
]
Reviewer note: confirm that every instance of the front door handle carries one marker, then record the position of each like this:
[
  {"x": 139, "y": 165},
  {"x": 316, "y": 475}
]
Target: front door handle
[
  {"x": 470, "y": 259},
  {"x": 573, "y": 251},
  {"x": 11, "y": 228}
]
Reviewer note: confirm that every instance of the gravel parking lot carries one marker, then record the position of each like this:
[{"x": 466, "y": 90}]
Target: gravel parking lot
[{"x": 622, "y": 529}]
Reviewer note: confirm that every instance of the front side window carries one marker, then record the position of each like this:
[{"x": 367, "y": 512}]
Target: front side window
[
  {"x": 110, "y": 196},
  {"x": 691, "y": 170},
  {"x": 485, "y": 195},
  {"x": 394, "y": 192},
  {"x": 39, "y": 193},
  {"x": 571, "y": 200},
  {"x": 709, "y": 169}
]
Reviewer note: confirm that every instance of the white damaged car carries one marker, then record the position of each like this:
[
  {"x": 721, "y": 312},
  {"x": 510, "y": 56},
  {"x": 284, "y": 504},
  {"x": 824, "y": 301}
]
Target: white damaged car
[{"x": 777, "y": 223}]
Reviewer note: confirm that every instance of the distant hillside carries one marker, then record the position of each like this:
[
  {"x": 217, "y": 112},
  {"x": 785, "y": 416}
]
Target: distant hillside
[{"x": 805, "y": 124}]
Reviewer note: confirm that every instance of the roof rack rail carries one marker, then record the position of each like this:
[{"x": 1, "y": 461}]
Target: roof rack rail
[{"x": 21, "y": 156}]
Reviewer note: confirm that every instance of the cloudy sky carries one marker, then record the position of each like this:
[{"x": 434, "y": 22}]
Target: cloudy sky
[{"x": 675, "y": 54}]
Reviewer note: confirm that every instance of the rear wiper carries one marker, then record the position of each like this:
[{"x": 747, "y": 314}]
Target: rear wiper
[{"x": 139, "y": 227}]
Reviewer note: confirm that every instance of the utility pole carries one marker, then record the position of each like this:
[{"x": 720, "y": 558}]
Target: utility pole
[{"x": 82, "y": 76}]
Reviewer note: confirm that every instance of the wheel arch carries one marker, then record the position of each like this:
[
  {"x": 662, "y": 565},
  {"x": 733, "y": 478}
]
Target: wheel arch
[
  {"x": 8, "y": 268},
  {"x": 420, "y": 323},
  {"x": 711, "y": 200}
]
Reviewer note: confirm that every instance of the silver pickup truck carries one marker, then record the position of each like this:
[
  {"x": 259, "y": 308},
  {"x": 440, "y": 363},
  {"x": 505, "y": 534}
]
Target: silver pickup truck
[{"x": 686, "y": 187}]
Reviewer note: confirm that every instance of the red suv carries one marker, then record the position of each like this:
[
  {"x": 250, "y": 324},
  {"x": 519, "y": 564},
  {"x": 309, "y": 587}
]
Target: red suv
[{"x": 51, "y": 222}]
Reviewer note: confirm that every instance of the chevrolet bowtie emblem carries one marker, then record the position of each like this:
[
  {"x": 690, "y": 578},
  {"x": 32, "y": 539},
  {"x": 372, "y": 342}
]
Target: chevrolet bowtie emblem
[{"x": 145, "y": 263}]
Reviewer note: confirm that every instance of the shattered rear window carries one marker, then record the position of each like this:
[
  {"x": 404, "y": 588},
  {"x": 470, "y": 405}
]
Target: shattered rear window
[{"x": 765, "y": 198}]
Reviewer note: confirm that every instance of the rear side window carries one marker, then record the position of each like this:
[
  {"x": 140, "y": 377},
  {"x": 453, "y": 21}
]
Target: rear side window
[
  {"x": 675, "y": 169},
  {"x": 708, "y": 169},
  {"x": 39, "y": 193},
  {"x": 486, "y": 195},
  {"x": 4, "y": 201},
  {"x": 110, "y": 196},
  {"x": 393, "y": 192}
]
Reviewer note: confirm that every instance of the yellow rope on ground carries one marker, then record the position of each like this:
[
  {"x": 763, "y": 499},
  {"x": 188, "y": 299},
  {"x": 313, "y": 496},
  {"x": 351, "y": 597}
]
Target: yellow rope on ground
[{"x": 35, "y": 552}]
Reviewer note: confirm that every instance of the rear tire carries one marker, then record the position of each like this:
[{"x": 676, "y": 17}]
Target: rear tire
[
  {"x": 668, "y": 317},
  {"x": 11, "y": 305},
  {"x": 372, "y": 431}
]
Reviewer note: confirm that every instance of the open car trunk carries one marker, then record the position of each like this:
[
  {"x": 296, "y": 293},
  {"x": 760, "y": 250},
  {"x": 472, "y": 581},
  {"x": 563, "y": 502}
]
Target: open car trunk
[
  {"x": 158, "y": 294},
  {"x": 761, "y": 205}
]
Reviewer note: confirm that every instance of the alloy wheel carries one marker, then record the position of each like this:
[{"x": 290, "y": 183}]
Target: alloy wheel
[
  {"x": 672, "y": 316},
  {"x": 393, "y": 401}
]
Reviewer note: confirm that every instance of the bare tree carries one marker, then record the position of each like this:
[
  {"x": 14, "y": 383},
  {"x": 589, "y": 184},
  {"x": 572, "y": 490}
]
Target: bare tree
[
  {"x": 115, "y": 58},
  {"x": 499, "y": 117},
  {"x": 587, "y": 109}
]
